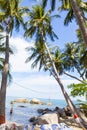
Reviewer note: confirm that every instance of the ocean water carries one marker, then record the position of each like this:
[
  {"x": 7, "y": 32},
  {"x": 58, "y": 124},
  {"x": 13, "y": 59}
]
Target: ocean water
[{"x": 22, "y": 115}]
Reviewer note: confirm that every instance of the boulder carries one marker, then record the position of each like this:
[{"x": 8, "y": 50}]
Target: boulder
[
  {"x": 36, "y": 101},
  {"x": 61, "y": 112},
  {"x": 13, "y": 126},
  {"x": 20, "y": 100},
  {"x": 44, "y": 111},
  {"x": 67, "y": 111},
  {"x": 33, "y": 119},
  {"x": 21, "y": 106},
  {"x": 49, "y": 118}
]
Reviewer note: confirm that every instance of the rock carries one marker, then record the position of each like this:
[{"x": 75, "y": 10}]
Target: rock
[
  {"x": 49, "y": 118},
  {"x": 20, "y": 100},
  {"x": 40, "y": 111},
  {"x": 67, "y": 111},
  {"x": 56, "y": 108},
  {"x": 33, "y": 119},
  {"x": 21, "y": 127},
  {"x": 36, "y": 101},
  {"x": 21, "y": 106},
  {"x": 44, "y": 111},
  {"x": 49, "y": 103},
  {"x": 13, "y": 126},
  {"x": 61, "y": 112}
]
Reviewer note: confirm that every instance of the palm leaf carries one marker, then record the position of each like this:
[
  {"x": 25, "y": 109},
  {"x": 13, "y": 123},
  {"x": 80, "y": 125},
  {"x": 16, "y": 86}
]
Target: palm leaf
[
  {"x": 44, "y": 3},
  {"x": 69, "y": 17},
  {"x": 53, "y": 3}
]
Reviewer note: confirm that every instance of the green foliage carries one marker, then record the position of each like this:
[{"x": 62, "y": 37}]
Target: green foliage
[
  {"x": 66, "y": 6},
  {"x": 39, "y": 25},
  {"x": 11, "y": 15},
  {"x": 83, "y": 106},
  {"x": 39, "y": 22},
  {"x": 78, "y": 89},
  {"x": 38, "y": 55},
  {"x": 53, "y": 2}
]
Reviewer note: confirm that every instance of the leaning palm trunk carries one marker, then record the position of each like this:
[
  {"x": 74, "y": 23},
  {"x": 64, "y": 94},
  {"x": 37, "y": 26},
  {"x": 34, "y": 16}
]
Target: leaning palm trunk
[
  {"x": 75, "y": 78},
  {"x": 67, "y": 98},
  {"x": 80, "y": 20},
  {"x": 4, "y": 82}
]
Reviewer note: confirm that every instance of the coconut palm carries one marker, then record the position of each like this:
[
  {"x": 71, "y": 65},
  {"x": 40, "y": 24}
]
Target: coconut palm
[
  {"x": 67, "y": 6},
  {"x": 39, "y": 25},
  {"x": 74, "y": 7},
  {"x": 80, "y": 20},
  {"x": 72, "y": 54},
  {"x": 11, "y": 16},
  {"x": 38, "y": 54},
  {"x": 2, "y": 52}
]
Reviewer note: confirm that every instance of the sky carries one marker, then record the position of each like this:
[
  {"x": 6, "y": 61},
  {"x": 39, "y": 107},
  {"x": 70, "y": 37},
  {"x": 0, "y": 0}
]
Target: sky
[{"x": 33, "y": 83}]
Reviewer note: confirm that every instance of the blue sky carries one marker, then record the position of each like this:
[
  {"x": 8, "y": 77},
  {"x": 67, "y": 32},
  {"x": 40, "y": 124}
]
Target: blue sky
[{"x": 32, "y": 83}]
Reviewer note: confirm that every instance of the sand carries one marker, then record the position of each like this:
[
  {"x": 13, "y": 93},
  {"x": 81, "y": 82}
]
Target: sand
[
  {"x": 73, "y": 126},
  {"x": 71, "y": 123}
]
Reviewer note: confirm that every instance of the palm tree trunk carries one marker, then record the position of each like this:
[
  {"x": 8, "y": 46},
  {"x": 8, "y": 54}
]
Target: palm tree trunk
[
  {"x": 67, "y": 98},
  {"x": 80, "y": 20},
  {"x": 4, "y": 82},
  {"x": 75, "y": 78}
]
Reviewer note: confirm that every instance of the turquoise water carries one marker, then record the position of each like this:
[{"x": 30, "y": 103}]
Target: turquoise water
[{"x": 23, "y": 114}]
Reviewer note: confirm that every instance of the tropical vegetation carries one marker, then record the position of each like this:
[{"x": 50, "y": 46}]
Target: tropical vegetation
[
  {"x": 11, "y": 16},
  {"x": 50, "y": 58},
  {"x": 75, "y": 9},
  {"x": 40, "y": 26}
]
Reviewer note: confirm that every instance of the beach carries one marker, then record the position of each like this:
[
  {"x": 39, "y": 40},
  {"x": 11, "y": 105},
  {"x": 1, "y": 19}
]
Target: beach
[
  {"x": 21, "y": 115},
  {"x": 73, "y": 126}
]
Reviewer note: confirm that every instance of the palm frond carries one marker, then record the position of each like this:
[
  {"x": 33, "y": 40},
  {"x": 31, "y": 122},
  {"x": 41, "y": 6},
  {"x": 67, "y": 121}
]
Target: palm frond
[
  {"x": 53, "y": 3},
  {"x": 44, "y": 3},
  {"x": 69, "y": 17}
]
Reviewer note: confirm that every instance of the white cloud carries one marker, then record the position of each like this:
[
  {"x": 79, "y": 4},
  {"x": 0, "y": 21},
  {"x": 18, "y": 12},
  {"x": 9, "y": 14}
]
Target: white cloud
[{"x": 18, "y": 59}]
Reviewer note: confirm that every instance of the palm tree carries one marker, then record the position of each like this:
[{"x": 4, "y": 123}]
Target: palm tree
[
  {"x": 39, "y": 25},
  {"x": 80, "y": 20},
  {"x": 74, "y": 7},
  {"x": 73, "y": 54},
  {"x": 68, "y": 60},
  {"x": 11, "y": 16},
  {"x": 39, "y": 54},
  {"x": 2, "y": 60}
]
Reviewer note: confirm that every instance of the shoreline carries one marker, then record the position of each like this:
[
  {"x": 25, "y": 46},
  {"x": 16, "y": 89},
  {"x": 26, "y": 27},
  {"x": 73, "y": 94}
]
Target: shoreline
[
  {"x": 21, "y": 127},
  {"x": 21, "y": 113}
]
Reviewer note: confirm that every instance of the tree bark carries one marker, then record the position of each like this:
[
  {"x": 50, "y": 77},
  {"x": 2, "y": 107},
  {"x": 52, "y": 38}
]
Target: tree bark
[
  {"x": 74, "y": 111},
  {"x": 75, "y": 78},
  {"x": 80, "y": 20},
  {"x": 4, "y": 82}
]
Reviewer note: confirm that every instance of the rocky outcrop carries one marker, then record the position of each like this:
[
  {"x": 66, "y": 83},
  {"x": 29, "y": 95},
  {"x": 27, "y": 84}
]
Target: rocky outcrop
[
  {"x": 44, "y": 111},
  {"x": 24, "y": 100},
  {"x": 36, "y": 101},
  {"x": 61, "y": 111},
  {"x": 48, "y": 118},
  {"x": 20, "y": 100}
]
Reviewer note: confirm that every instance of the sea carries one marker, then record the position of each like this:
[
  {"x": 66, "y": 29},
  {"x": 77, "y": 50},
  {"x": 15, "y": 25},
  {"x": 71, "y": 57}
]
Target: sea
[{"x": 21, "y": 115}]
